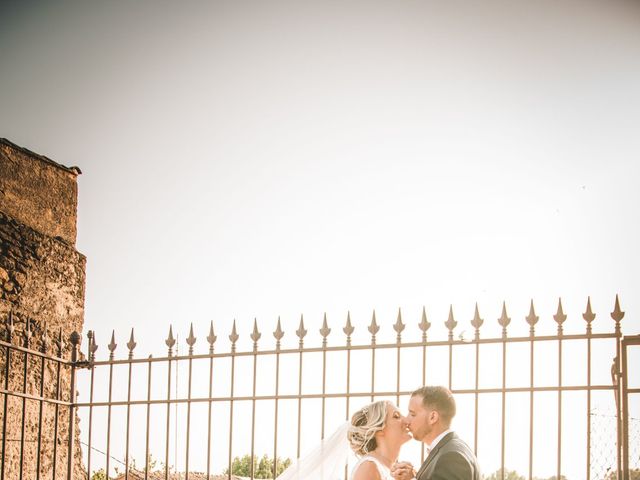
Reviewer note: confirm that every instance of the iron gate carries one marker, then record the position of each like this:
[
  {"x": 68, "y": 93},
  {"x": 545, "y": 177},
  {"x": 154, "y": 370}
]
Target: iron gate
[{"x": 34, "y": 381}]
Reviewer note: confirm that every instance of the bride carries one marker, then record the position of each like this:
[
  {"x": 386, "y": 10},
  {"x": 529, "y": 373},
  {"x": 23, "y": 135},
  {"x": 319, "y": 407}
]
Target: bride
[{"x": 375, "y": 434}]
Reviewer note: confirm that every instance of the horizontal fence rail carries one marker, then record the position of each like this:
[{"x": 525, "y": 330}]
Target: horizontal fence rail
[{"x": 202, "y": 410}]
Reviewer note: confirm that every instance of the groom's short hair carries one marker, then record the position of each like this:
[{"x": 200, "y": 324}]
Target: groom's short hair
[{"x": 439, "y": 399}]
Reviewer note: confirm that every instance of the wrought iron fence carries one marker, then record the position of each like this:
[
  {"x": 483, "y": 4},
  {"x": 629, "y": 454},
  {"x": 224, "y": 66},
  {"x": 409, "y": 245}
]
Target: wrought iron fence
[
  {"x": 38, "y": 419},
  {"x": 222, "y": 401}
]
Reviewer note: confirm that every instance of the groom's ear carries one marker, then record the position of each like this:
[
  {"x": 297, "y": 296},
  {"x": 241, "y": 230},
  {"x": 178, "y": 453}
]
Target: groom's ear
[{"x": 434, "y": 416}]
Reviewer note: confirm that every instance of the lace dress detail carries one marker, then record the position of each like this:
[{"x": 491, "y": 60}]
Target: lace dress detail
[{"x": 385, "y": 474}]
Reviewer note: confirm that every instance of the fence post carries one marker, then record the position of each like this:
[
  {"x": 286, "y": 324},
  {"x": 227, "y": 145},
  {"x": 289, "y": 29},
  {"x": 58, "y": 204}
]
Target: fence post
[
  {"x": 617, "y": 315},
  {"x": 75, "y": 342}
]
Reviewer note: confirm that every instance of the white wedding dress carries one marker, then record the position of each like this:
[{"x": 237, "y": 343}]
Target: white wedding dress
[
  {"x": 384, "y": 472},
  {"x": 328, "y": 460}
]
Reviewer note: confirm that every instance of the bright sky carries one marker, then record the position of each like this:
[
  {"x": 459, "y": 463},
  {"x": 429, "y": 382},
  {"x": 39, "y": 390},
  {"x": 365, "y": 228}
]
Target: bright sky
[{"x": 257, "y": 159}]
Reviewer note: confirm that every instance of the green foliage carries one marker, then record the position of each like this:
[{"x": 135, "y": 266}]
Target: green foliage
[
  {"x": 99, "y": 475},
  {"x": 152, "y": 464},
  {"x": 508, "y": 475},
  {"x": 634, "y": 474},
  {"x": 513, "y": 475},
  {"x": 262, "y": 468}
]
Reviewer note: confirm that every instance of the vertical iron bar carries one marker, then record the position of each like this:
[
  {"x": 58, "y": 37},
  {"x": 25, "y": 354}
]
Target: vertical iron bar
[
  {"x": 559, "y": 468},
  {"x": 56, "y": 413},
  {"x": 589, "y": 405},
  {"x": 625, "y": 413},
  {"x": 6, "y": 401},
  {"x": 168, "y": 427},
  {"x": 209, "y": 416},
  {"x": 373, "y": 369},
  {"x": 504, "y": 405},
  {"x": 75, "y": 343},
  {"x": 40, "y": 412},
  {"x": 146, "y": 442},
  {"x": 348, "y": 380},
  {"x": 186, "y": 468},
  {"x": 531, "y": 398},
  {"x": 346, "y": 472},
  {"x": 91, "y": 380},
  {"x": 618, "y": 402},
  {"x": 373, "y": 329},
  {"x": 109, "y": 418},
  {"x": 275, "y": 428},
  {"x": 324, "y": 389},
  {"x": 450, "y": 362},
  {"x": 398, "y": 376},
  {"x": 476, "y": 323},
  {"x": 424, "y": 382},
  {"x": 253, "y": 414},
  {"x": 176, "y": 405},
  {"x": 24, "y": 404},
  {"x": 233, "y": 369},
  {"x": 299, "y": 399},
  {"x": 475, "y": 423},
  {"x": 126, "y": 455}
]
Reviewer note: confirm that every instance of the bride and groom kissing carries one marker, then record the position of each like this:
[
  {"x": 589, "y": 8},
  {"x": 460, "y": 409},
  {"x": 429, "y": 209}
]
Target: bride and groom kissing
[{"x": 377, "y": 431}]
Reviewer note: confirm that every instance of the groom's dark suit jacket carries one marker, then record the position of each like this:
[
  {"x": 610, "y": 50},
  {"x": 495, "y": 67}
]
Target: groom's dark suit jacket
[{"x": 450, "y": 459}]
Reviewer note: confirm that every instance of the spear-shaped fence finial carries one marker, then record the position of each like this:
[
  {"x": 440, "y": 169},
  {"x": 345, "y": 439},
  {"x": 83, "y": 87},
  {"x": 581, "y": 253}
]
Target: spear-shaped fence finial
[
  {"x": 348, "y": 328},
  {"x": 170, "y": 341},
  {"x": 211, "y": 338},
  {"x": 10, "y": 326},
  {"x": 93, "y": 346},
  {"x": 373, "y": 328},
  {"x": 504, "y": 320},
  {"x": 45, "y": 338},
  {"x": 532, "y": 319},
  {"x": 301, "y": 332},
  {"x": 27, "y": 332},
  {"x": 450, "y": 323},
  {"x": 560, "y": 317},
  {"x": 191, "y": 339},
  {"x": 255, "y": 334},
  {"x": 399, "y": 327},
  {"x": 60, "y": 343},
  {"x": 477, "y": 322},
  {"x": 617, "y": 314},
  {"x": 131, "y": 344},
  {"x": 424, "y": 324},
  {"x": 589, "y": 316},
  {"x": 234, "y": 337},
  {"x": 325, "y": 330},
  {"x": 278, "y": 334},
  {"x": 112, "y": 345}
]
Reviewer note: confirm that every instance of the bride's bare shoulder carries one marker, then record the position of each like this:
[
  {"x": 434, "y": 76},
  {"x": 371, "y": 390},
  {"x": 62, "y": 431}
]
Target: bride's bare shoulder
[{"x": 366, "y": 471}]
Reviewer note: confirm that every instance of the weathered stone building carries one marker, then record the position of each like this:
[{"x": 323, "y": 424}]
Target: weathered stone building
[{"x": 42, "y": 281}]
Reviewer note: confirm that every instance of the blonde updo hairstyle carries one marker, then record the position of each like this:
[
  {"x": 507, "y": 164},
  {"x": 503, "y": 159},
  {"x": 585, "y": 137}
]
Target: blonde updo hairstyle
[{"x": 364, "y": 425}]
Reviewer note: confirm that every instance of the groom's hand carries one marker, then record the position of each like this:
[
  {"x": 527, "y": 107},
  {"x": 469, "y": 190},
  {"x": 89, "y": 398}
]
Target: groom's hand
[{"x": 402, "y": 471}]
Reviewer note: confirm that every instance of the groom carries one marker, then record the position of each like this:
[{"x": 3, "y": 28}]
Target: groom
[{"x": 431, "y": 410}]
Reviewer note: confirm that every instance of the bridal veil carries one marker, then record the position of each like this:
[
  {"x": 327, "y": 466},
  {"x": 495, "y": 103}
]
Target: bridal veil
[{"x": 326, "y": 461}]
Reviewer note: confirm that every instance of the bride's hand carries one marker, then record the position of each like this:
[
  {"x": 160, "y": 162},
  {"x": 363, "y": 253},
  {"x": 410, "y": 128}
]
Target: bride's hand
[{"x": 402, "y": 471}]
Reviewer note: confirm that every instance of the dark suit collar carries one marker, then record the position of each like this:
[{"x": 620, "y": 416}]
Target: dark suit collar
[
  {"x": 442, "y": 441},
  {"x": 434, "y": 452}
]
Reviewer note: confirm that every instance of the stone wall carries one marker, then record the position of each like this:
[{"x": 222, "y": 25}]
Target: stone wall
[
  {"x": 38, "y": 192},
  {"x": 42, "y": 281}
]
